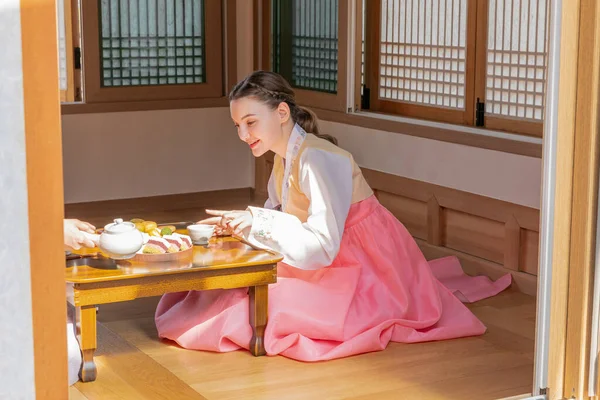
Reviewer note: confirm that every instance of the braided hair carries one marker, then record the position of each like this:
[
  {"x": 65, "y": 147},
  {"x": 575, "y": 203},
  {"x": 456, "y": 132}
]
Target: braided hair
[{"x": 272, "y": 89}]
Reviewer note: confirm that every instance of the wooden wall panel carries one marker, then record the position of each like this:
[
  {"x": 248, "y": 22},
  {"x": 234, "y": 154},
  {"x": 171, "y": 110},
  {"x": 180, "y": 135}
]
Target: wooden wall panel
[
  {"x": 473, "y": 235},
  {"x": 412, "y": 213},
  {"x": 528, "y": 259}
]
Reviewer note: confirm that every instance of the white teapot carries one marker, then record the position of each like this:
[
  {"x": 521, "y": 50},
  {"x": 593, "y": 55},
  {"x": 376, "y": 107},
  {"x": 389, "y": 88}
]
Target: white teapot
[{"x": 119, "y": 240}]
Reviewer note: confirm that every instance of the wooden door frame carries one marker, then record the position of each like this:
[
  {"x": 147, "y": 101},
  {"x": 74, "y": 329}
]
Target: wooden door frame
[
  {"x": 575, "y": 200},
  {"x": 585, "y": 196},
  {"x": 41, "y": 98}
]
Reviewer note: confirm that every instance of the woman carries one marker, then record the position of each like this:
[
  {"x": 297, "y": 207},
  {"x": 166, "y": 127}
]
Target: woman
[{"x": 352, "y": 278}]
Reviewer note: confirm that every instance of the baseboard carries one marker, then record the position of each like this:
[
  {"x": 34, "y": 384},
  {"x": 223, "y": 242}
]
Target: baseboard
[{"x": 169, "y": 202}]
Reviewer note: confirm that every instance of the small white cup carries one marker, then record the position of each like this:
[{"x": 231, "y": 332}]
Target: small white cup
[{"x": 200, "y": 233}]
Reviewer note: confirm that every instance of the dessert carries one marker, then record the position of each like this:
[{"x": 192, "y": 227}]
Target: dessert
[
  {"x": 176, "y": 241},
  {"x": 156, "y": 245},
  {"x": 161, "y": 239},
  {"x": 186, "y": 239},
  {"x": 166, "y": 231}
]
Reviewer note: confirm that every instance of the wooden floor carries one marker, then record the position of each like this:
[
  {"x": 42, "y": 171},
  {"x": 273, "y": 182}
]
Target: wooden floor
[{"x": 134, "y": 364}]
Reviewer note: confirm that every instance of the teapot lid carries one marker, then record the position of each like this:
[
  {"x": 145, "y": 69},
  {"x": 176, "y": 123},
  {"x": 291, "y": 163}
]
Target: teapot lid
[{"x": 118, "y": 226}]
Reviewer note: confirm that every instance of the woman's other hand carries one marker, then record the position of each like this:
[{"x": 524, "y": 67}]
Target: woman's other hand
[{"x": 73, "y": 232}]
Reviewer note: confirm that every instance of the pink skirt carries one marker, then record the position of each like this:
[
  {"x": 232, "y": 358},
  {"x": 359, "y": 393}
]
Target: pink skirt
[{"x": 380, "y": 288}]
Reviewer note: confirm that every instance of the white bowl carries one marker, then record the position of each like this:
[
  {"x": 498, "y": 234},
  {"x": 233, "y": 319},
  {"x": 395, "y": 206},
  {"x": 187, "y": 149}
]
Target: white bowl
[{"x": 200, "y": 233}]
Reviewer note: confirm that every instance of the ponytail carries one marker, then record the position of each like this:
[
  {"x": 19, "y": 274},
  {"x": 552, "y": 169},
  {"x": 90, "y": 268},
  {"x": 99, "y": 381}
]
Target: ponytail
[{"x": 309, "y": 122}]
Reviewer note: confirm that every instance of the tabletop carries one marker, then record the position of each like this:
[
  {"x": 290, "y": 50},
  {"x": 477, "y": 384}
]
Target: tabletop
[{"x": 220, "y": 253}]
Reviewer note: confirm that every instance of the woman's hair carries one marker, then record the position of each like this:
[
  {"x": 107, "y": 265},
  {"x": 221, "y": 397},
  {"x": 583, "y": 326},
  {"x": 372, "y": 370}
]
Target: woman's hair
[{"x": 272, "y": 89}]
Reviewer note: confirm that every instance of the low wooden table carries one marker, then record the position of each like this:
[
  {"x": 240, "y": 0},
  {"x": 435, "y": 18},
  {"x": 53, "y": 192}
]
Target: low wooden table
[{"x": 225, "y": 263}]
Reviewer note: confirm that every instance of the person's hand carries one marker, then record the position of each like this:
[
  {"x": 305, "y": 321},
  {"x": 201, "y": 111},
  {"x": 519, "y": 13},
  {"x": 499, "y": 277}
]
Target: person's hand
[
  {"x": 222, "y": 231},
  {"x": 74, "y": 237},
  {"x": 218, "y": 220},
  {"x": 235, "y": 222}
]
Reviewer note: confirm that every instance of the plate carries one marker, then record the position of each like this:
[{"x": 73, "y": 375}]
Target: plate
[{"x": 166, "y": 257}]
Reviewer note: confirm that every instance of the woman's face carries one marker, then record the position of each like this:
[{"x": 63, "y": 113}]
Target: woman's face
[{"x": 257, "y": 124}]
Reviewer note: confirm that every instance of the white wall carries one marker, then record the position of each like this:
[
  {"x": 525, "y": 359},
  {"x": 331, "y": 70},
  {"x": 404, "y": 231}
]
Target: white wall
[
  {"x": 16, "y": 337},
  {"x": 147, "y": 153},
  {"x": 509, "y": 177}
]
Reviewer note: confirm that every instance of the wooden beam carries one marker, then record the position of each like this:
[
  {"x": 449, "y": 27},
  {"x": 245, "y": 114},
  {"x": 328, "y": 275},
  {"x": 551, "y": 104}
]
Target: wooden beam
[
  {"x": 585, "y": 193},
  {"x": 45, "y": 196},
  {"x": 512, "y": 242},
  {"x": 434, "y": 227}
]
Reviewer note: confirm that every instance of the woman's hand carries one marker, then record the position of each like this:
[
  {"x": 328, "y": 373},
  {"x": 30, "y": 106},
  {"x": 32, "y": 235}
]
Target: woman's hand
[
  {"x": 235, "y": 222},
  {"x": 222, "y": 232},
  {"x": 74, "y": 238}
]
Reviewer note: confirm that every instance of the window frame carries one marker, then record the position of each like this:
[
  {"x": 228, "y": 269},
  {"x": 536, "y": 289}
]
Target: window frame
[
  {"x": 215, "y": 74},
  {"x": 475, "y": 76},
  {"x": 312, "y": 98},
  {"x": 69, "y": 94},
  {"x": 441, "y": 114},
  {"x": 491, "y": 121}
]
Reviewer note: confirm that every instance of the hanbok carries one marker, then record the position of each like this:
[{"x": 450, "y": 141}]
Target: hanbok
[{"x": 352, "y": 279}]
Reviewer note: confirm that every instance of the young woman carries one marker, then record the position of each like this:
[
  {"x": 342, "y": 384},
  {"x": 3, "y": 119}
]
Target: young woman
[{"x": 353, "y": 278}]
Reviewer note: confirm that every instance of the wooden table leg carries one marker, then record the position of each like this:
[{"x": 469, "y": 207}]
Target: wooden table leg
[
  {"x": 259, "y": 302},
  {"x": 86, "y": 334}
]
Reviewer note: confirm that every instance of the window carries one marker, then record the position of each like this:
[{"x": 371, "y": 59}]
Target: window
[
  {"x": 308, "y": 32},
  {"x": 466, "y": 62},
  {"x": 140, "y": 50},
  {"x": 422, "y": 59},
  {"x": 516, "y": 59},
  {"x": 306, "y": 42}
]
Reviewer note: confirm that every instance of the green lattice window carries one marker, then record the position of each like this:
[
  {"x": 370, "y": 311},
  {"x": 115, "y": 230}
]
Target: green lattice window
[
  {"x": 305, "y": 43},
  {"x": 152, "y": 42}
]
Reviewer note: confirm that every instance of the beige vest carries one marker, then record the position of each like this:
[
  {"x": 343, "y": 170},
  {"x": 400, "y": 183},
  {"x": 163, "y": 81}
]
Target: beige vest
[{"x": 298, "y": 203}]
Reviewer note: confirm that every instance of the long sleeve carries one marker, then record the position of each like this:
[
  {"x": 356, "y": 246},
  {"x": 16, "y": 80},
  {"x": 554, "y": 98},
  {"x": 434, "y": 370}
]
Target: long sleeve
[
  {"x": 272, "y": 202},
  {"x": 326, "y": 180}
]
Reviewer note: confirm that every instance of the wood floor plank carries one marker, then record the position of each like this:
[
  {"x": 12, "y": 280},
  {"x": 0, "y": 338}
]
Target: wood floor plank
[
  {"x": 518, "y": 397},
  {"x": 505, "y": 319},
  {"x": 510, "y": 297},
  {"x": 75, "y": 394},
  {"x": 124, "y": 372},
  {"x": 138, "y": 308},
  {"x": 238, "y": 374},
  {"x": 341, "y": 383},
  {"x": 507, "y": 341},
  {"x": 460, "y": 389}
]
